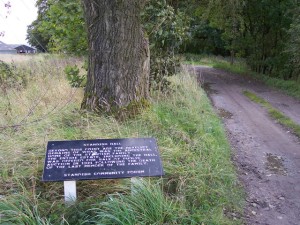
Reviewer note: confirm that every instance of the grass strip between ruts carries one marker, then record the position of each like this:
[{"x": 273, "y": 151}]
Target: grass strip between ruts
[{"x": 274, "y": 113}]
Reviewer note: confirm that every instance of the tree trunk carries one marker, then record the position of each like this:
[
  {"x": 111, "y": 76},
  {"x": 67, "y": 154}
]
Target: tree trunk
[{"x": 119, "y": 58}]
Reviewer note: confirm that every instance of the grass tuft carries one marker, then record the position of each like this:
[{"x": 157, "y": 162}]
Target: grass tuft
[
  {"x": 146, "y": 205},
  {"x": 21, "y": 209}
]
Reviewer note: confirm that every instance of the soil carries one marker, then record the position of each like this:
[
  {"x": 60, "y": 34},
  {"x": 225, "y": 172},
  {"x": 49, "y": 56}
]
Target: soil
[{"x": 267, "y": 155}]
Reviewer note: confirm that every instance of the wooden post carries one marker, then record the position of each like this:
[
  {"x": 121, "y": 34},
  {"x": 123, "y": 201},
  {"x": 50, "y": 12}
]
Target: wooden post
[
  {"x": 134, "y": 180},
  {"x": 70, "y": 191}
]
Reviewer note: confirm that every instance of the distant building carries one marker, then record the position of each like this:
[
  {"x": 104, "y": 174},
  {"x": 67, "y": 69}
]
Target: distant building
[
  {"x": 25, "y": 49},
  {"x": 15, "y": 49}
]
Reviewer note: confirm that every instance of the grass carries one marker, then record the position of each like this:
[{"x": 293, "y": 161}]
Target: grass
[
  {"x": 146, "y": 205},
  {"x": 274, "y": 113},
  {"x": 200, "y": 185},
  {"x": 21, "y": 209},
  {"x": 239, "y": 66}
]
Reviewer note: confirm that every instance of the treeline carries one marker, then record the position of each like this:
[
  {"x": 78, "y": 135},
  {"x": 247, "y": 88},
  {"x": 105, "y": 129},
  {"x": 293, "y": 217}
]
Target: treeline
[{"x": 264, "y": 32}]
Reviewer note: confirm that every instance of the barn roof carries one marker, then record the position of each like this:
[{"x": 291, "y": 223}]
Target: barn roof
[{"x": 24, "y": 48}]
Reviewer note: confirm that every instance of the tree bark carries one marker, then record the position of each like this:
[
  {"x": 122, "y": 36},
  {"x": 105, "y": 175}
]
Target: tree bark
[{"x": 119, "y": 57}]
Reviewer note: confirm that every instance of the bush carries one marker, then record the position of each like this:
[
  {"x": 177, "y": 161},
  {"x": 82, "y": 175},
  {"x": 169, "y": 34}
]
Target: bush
[
  {"x": 167, "y": 30},
  {"x": 10, "y": 77},
  {"x": 75, "y": 80},
  {"x": 163, "y": 65}
]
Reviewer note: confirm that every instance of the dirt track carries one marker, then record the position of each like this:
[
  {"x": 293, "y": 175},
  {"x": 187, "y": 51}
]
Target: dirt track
[{"x": 267, "y": 156}]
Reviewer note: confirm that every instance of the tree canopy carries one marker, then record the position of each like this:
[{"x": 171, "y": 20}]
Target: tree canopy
[
  {"x": 265, "y": 33},
  {"x": 59, "y": 27}
]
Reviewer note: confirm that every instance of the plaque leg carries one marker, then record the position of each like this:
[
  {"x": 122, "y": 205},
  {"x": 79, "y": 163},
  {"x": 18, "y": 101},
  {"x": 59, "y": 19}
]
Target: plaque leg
[
  {"x": 134, "y": 180},
  {"x": 70, "y": 191}
]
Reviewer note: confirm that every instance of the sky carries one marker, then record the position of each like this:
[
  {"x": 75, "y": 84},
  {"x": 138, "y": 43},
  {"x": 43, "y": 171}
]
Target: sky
[{"x": 14, "y": 23}]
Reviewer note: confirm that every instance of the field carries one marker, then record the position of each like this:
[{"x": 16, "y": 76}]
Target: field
[{"x": 37, "y": 104}]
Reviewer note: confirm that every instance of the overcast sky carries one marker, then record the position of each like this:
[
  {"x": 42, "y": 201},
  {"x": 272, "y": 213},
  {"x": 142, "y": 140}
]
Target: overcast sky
[{"x": 14, "y": 24}]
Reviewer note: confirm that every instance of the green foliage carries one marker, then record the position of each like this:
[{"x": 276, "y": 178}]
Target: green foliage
[
  {"x": 67, "y": 27},
  {"x": 227, "y": 16},
  {"x": 36, "y": 36},
  {"x": 166, "y": 28},
  {"x": 59, "y": 27},
  {"x": 205, "y": 39},
  {"x": 292, "y": 69},
  {"x": 167, "y": 31},
  {"x": 163, "y": 65},
  {"x": 265, "y": 33},
  {"x": 73, "y": 76}
]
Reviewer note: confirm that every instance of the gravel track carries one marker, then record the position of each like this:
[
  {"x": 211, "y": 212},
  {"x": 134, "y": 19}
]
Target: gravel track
[{"x": 267, "y": 155}]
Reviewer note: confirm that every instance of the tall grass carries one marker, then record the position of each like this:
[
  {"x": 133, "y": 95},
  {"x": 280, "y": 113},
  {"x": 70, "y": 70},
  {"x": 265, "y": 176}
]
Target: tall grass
[
  {"x": 21, "y": 209},
  {"x": 200, "y": 185},
  {"x": 8, "y": 58},
  {"x": 146, "y": 205}
]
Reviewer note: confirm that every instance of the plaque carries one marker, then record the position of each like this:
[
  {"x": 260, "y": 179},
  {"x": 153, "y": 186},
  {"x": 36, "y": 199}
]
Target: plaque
[{"x": 102, "y": 159}]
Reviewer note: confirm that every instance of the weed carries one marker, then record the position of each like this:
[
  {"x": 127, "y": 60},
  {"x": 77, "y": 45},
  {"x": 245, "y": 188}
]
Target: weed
[
  {"x": 73, "y": 76},
  {"x": 11, "y": 77}
]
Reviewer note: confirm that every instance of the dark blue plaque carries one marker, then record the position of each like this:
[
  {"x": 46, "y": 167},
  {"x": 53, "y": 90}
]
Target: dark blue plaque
[{"x": 102, "y": 159}]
